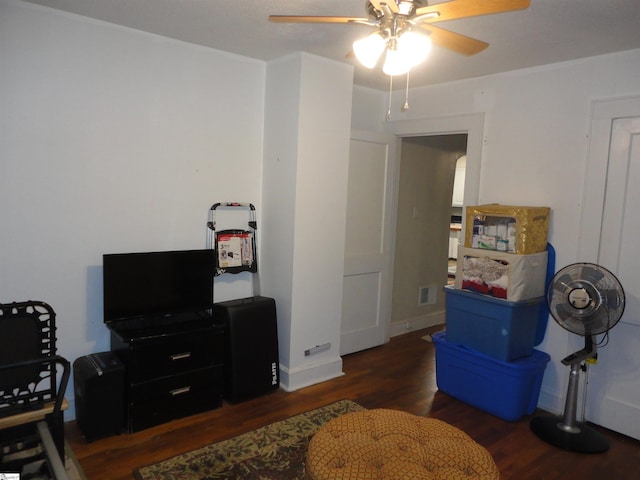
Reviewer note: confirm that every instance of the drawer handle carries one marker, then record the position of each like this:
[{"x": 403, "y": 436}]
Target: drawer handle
[
  {"x": 180, "y": 356},
  {"x": 180, "y": 391}
]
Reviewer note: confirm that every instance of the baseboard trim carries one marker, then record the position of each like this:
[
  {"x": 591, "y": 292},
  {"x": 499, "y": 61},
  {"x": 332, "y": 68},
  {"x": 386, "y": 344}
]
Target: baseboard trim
[
  {"x": 305, "y": 376},
  {"x": 418, "y": 323}
]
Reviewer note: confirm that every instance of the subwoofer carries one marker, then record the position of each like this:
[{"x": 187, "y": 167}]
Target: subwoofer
[
  {"x": 99, "y": 381},
  {"x": 251, "y": 364}
]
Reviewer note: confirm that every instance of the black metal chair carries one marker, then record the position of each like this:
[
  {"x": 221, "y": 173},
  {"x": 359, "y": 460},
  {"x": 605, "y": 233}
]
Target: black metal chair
[{"x": 31, "y": 398}]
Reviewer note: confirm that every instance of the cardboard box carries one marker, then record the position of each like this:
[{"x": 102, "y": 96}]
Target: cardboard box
[
  {"x": 501, "y": 329},
  {"x": 508, "y": 390},
  {"x": 526, "y": 228},
  {"x": 500, "y": 274}
]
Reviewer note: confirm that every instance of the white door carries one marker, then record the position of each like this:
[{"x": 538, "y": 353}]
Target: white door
[
  {"x": 612, "y": 197},
  {"x": 366, "y": 298}
]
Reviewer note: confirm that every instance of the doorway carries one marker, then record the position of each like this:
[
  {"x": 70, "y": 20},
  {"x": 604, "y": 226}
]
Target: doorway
[
  {"x": 472, "y": 126},
  {"x": 424, "y": 233},
  {"x": 355, "y": 312}
]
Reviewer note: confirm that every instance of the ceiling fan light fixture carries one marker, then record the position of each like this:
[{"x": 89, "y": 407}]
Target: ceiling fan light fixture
[
  {"x": 369, "y": 49},
  {"x": 396, "y": 63},
  {"x": 405, "y": 52},
  {"x": 414, "y": 46}
]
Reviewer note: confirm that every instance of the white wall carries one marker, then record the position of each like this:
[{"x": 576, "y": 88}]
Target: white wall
[
  {"x": 369, "y": 109},
  {"x": 536, "y": 124},
  {"x": 113, "y": 140}
]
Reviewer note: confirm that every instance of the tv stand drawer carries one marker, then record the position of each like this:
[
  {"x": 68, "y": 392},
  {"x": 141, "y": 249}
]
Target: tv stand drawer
[
  {"x": 158, "y": 401},
  {"x": 172, "y": 375},
  {"x": 175, "y": 355}
]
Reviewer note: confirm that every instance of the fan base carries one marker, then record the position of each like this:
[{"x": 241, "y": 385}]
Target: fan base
[{"x": 586, "y": 440}]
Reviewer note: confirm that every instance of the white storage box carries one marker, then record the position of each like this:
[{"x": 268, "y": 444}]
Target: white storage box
[{"x": 500, "y": 274}]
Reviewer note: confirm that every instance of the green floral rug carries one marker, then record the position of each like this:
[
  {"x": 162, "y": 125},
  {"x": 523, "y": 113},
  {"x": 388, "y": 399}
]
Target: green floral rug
[{"x": 274, "y": 452}]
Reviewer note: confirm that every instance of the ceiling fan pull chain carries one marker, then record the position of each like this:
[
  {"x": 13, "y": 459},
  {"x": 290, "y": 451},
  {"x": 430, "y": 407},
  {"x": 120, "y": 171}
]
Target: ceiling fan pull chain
[
  {"x": 390, "y": 92},
  {"x": 405, "y": 107}
]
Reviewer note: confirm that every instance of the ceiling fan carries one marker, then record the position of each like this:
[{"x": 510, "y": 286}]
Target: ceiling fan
[{"x": 404, "y": 28}]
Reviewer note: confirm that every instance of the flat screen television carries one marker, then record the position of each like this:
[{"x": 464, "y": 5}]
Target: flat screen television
[{"x": 157, "y": 284}]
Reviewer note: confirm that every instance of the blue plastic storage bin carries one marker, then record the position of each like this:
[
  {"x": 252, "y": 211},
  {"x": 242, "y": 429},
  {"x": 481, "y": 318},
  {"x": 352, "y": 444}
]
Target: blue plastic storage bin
[
  {"x": 508, "y": 390},
  {"x": 502, "y": 329}
]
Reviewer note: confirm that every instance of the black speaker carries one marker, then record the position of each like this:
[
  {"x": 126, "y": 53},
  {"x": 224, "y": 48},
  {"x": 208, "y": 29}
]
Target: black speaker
[
  {"x": 251, "y": 365},
  {"x": 99, "y": 381}
]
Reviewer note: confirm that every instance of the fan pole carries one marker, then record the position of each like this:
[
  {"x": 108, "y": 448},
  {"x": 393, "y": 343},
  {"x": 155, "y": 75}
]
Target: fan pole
[
  {"x": 569, "y": 423},
  {"x": 565, "y": 432}
]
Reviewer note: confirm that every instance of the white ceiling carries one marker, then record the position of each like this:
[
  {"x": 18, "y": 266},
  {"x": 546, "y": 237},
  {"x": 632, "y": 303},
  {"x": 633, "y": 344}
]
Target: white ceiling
[{"x": 548, "y": 31}]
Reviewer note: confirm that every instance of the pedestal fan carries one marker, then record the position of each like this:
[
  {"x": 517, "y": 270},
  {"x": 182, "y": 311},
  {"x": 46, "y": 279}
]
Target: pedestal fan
[{"x": 588, "y": 300}]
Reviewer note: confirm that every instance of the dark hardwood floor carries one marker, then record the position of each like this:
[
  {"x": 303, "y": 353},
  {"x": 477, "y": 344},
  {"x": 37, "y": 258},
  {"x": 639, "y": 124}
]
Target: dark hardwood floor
[{"x": 400, "y": 375}]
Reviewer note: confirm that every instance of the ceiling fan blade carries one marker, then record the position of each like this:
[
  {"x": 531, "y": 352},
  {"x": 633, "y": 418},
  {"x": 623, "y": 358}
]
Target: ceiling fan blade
[
  {"x": 470, "y": 8},
  {"x": 455, "y": 41},
  {"x": 316, "y": 19}
]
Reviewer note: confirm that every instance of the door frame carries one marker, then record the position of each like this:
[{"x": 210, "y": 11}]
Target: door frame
[
  {"x": 603, "y": 112},
  {"x": 606, "y": 402},
  {"x": 472, "y": 124}
]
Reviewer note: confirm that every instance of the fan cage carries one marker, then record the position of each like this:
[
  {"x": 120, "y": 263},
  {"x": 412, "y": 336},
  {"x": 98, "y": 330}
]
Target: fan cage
[{"x": 569, "y": 289}]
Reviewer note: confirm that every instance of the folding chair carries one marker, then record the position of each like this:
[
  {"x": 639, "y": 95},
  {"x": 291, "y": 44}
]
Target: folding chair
[{"x": 31, "y": 399}]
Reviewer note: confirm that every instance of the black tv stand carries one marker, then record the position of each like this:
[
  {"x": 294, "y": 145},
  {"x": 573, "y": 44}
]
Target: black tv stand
[
  {"x": 161, "y": 323},
  {"x": 173, "y": 366}
]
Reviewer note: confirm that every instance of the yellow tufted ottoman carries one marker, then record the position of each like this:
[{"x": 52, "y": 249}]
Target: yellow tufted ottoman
[{"x": 393, "y": 445}]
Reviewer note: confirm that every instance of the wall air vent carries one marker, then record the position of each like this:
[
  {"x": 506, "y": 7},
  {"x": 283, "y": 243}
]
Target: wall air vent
[{"x": 427, "y": 295}]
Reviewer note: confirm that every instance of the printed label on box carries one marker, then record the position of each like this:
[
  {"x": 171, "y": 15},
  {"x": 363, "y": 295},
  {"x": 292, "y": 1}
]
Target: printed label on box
[{"x": 235, "y": 250}]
